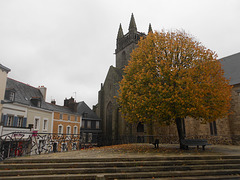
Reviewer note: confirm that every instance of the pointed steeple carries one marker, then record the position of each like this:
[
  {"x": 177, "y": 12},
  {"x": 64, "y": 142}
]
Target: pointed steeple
[
  {"x": 150, "y": 28},
  {"x": 132, "y": 25},
  {"x": 120, "y": 32}
]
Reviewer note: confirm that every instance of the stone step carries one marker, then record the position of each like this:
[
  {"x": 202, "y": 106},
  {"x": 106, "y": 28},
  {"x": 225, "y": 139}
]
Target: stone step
[
  {"x": 198, "y": 167},
  {"x": 66, "y": 160},
  {"x": 116, "y": 164},
  {"x": 195, "y": 174},
  {"x": 171, "y": 174},
  {"x": 29, "y": 172},
  {"x": 223, "y": 177}
]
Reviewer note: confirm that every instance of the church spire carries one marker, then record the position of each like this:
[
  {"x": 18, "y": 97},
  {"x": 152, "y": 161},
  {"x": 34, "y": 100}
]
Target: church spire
[
  {"x": 120, "y": 32},
  {"x": 132, "y": 25},
  {"x": 150, "y": 28}
]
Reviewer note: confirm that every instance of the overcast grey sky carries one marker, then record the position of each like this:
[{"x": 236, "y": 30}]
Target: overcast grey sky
[{"x": 68, "y": 45}]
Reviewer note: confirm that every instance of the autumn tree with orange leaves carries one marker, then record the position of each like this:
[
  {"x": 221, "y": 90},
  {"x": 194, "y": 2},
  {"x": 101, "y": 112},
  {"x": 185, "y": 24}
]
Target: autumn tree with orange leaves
[{"x": 171, "y": 76}]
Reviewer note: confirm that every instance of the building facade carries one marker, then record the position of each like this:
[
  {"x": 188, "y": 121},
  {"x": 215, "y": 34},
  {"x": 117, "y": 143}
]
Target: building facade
[
  {"x": 65, "y": 125},
  {"x": 24, "y": 106},
  {"x": 3, "y": 79},
  {"x": 91, "y": 132}
]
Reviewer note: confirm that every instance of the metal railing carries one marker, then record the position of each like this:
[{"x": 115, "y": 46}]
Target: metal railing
[{"x": 30, "y": 143}]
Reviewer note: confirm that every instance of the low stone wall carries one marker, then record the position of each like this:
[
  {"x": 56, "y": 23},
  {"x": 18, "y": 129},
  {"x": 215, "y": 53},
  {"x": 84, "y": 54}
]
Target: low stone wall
[{"x": 236, "y": 140}]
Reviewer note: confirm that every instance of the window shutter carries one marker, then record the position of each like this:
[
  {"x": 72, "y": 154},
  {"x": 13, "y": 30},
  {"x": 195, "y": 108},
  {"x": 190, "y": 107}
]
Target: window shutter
[
  {"x": 1, "y": 118},
  {"x": 4, "y": 120},
  {"x": 15, "y": 121},
  {"x": 24, "y": 124}
]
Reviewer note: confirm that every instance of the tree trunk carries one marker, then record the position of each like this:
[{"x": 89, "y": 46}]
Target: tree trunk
[{"x": 181, "y": 135}]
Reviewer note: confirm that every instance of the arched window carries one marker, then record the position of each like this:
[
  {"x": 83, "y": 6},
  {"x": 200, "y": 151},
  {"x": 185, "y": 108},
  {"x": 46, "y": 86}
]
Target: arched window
[
  {"x": 109, "y": 119},
  {"x": 124, "y": 58}
]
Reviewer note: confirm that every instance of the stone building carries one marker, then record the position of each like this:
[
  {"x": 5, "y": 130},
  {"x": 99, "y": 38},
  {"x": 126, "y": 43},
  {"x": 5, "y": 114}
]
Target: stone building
[
  {"x": 117, "y": 130},
  {"x": 114, "y": 127}
]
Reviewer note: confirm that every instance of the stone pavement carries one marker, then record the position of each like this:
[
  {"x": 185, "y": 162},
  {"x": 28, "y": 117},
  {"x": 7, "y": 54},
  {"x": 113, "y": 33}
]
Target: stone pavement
[{"x": 142, "y": 150}]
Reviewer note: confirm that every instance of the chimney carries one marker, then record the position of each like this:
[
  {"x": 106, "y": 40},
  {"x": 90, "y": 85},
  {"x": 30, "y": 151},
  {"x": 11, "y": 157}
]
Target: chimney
[
  {"x": 43, "y": 90},
  {"x": 66, "y": 102},
  {"x": 71, "y": 104},
  {"x": 53, "y": 101}
]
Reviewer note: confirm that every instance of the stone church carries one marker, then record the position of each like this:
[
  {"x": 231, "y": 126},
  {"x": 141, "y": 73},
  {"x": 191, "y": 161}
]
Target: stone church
[{"x": 116, "y": 130}]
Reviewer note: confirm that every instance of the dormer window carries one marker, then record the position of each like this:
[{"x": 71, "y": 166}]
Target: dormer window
[
  {"x": 10, "y": 95},
  {"x": 35, "y": 101},
  {"x": 85, "y": 114}
]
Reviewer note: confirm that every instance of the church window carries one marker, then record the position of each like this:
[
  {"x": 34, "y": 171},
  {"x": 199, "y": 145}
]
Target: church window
[
  {"x": 124, "y": 58},
  {"x": 109, "y": 114},
  {"x": 213, "y": 128},
  {"x": 140, "y": 127}
]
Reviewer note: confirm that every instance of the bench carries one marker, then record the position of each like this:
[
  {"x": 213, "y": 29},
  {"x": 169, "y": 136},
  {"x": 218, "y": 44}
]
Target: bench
[{"x": 195, "y": 142}]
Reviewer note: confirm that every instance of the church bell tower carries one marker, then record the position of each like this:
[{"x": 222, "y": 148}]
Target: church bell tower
[{"x": 126, "y": 43}]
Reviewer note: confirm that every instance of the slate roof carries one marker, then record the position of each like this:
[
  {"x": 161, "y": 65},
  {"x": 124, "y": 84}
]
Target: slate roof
[
  {"x": 231, "y": 67},
  {"x": 24, "y": 93},
  {"x": 4, "y": 68},
  {"x": 63, "y": 109},
  {"x": 83, "y": 108}
]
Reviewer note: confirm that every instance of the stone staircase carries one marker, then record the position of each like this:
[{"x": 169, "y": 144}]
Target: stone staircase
[{"x": 178, "y": 167}]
